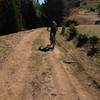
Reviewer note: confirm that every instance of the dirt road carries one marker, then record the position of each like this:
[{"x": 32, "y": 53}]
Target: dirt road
[{"x": 29, "y": 74}]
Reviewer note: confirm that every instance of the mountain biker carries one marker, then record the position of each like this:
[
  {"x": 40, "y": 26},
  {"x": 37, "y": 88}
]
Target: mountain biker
[{"x": 53, "y": 30}]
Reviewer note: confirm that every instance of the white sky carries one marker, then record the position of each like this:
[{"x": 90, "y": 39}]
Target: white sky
[{"x": 41, "y": 1}]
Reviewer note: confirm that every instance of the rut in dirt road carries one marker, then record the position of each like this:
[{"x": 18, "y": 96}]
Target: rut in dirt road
[{"x": 14, "y": 74}]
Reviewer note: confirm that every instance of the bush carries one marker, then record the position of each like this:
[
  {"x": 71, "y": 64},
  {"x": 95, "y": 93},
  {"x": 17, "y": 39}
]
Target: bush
[
  {"x": 92, "y": 9},
  {"x": 72, "y": 32},
  {"x": 82, "y": 39},
  {"x": 85, "y": 3},
  {"x": 98, "y": 9},
  {"x": 92, "y": 51},
  {"x": 93, "y": 41},
  {"x": 63, "y": 30},
  {"x": 70, "y": 21}
]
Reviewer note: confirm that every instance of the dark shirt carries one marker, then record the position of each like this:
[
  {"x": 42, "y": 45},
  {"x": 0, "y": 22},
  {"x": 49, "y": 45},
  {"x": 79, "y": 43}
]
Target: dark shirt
[{"x": 53, "y": 26}]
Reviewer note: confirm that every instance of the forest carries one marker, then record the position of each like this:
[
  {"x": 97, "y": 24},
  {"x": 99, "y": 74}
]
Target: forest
[{"x": 17, "y": 15}]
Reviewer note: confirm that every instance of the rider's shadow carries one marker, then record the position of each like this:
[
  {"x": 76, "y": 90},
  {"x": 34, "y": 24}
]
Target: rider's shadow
[{"x": 45, "y": 49}]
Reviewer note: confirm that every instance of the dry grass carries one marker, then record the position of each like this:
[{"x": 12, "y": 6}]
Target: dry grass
[
  {"x": 98, "y": 60},
  {"x": 84, "y": 68},
  {"x": 90, "y": 30},
  {"x": 90, "y": 4}
]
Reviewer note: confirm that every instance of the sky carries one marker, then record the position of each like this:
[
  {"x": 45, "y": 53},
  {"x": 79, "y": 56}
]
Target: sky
[{"x": 41, "y": 1}]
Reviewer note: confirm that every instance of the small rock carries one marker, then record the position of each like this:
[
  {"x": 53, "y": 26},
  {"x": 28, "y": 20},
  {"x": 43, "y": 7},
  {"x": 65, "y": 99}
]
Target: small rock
[
  {"x": 53, "y": 94},
  {"x": 89, "y": 84}
]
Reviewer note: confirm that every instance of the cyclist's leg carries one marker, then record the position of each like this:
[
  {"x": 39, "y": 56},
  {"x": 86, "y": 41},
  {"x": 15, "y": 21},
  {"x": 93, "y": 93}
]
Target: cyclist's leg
[
  {"x": 54, "y": 39},
  {"x": 51, "y": 37}
]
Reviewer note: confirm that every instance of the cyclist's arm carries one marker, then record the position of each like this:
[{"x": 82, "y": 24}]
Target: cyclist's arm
[
  {"x": 57, "y": 28},
  {"x": 47, "y": 28}
]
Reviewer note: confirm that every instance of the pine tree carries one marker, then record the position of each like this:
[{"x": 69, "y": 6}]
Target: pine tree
[
  {"x": 17, "y": 14},
  {"x": 9, "y": 17},
  {"x": 56, "y": 9},
  {"x": 29, "y": 14}
]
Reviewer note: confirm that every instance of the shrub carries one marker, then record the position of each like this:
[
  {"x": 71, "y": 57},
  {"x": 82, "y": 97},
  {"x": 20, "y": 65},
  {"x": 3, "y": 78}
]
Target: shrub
[
  {"x": 85, "y": 3},
  {"x": 72, "y": 32},
  {"x": 92, "y": 51},
  {"x": 97, "y": 84},
  {"x": 63, "y": 30},
  {"x": 71, "y": 21},
  {"x": 98, "y": 8},
  {"x": 82, "y": 39},
  {"x": 93, "y": 41},
  {"x": 92, "y": 9}
]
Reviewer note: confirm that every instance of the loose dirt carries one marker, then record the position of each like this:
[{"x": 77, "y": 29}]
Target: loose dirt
[{"x": 29, "y": 74}]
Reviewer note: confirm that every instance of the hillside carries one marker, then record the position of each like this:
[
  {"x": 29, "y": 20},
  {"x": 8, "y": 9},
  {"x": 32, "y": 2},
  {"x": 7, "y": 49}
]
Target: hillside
[{"x": 88, "y": 4}]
